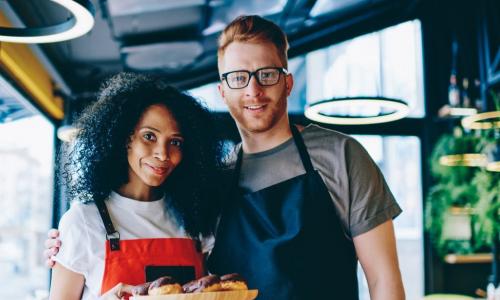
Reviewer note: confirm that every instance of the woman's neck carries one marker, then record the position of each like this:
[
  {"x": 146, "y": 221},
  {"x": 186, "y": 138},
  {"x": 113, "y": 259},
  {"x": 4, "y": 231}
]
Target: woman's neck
[{"x": 142, "y": 193}]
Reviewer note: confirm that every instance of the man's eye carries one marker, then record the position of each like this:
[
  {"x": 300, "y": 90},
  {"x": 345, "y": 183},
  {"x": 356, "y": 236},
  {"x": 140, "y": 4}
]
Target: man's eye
[
  {"x": 238, "y": 77},
  {"x": 267, "y": 75}
]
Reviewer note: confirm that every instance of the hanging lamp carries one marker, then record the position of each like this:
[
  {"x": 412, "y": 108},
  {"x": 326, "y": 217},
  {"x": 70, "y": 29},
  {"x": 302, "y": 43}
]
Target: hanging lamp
[
  {"x": 340, "y": 110},
  {"x": 80, "y": 22},
  {"x": 485, "y": 120},
  {"x": 67, "y": 131},
  {"x": 462, "y": 151}
]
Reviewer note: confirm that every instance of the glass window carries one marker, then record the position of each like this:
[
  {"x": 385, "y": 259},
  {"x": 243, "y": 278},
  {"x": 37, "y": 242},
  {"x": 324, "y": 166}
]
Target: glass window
[
  {"x": 209, "y": 95},
  {"x": 385, "y": 63},
  {"x": 26, "y": 194},
  {"x": 399, "y": 160}
]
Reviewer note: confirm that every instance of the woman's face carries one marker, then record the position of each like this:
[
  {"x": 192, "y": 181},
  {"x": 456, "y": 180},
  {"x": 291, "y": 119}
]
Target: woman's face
[{"x": 155, "y": 147}]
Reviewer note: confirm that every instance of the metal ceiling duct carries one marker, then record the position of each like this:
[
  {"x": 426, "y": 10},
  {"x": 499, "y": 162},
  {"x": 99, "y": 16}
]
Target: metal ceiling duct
[
  {"x": 132, "y": 17},
  {"x": 224, "y": 12},
  {"x": 162, "y": 56}
]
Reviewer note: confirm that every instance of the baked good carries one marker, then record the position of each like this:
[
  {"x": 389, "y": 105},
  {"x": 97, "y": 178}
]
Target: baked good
[
  {"x": 209, "y": 283},
  {"x": 141, "y": 290},
  {"x": 164, "y": 286},
  {"x": 233, "y": 282}
]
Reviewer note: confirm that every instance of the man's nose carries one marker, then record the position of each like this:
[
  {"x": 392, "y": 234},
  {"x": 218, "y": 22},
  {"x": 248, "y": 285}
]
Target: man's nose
[{"x": 253, "y": 88}]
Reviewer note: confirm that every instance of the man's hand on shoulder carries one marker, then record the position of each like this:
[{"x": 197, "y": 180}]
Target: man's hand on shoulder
[{"x": 52, "y": 244}]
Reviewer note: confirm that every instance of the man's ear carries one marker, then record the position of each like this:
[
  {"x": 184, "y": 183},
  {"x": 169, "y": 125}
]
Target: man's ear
[
  {"x": 220, "y": 88},
  {"x": 288, "y": 84}
]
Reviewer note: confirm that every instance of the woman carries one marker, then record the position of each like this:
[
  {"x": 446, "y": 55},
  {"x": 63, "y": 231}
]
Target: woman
[{"x": 141, "y": 173}]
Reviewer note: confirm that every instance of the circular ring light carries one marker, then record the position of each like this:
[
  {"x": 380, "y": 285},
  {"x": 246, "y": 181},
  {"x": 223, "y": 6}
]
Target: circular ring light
[
  {"x": 464, "y": 160},
  {"x": 81, "y": 22},
  {"x": 482, "y": 120},
  {"x": 67, "y": 133},
  {"x": 399, "y": 109},
  {"x": 493, "y": 166}
]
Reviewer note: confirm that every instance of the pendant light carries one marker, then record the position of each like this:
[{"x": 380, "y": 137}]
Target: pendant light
[
  {"x": 73, "y": 106},
  {"x": 346, "y": 111},
  {"x": 80, "y": 22},
  {"x": 462, "y": 151},
  {"x": 486, "y": 120}
]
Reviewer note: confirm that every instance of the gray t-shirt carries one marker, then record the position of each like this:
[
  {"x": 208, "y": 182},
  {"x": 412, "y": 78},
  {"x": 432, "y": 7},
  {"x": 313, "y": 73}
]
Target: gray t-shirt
[{"x": 355, "y": 183}]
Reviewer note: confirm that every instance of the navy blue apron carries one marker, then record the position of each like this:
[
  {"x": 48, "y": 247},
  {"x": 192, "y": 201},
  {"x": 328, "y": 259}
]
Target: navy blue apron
[{"x": 287, "y": 239}]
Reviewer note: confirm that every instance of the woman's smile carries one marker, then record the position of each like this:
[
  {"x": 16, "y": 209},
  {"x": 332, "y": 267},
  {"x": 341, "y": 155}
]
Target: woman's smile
[{"x": 157, "y": 170}]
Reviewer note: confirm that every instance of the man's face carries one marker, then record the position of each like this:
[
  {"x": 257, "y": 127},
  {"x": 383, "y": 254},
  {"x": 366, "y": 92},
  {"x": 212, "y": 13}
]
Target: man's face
[{"x": 255, "y": 108}]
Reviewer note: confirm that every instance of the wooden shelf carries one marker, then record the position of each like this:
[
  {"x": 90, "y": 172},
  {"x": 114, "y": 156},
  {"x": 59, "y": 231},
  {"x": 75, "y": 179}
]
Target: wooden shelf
[{"x": 479, "y": 258}]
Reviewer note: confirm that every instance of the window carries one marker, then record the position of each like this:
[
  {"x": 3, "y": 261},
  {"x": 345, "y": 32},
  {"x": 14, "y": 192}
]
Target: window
[
  {"x": 398, "y": 158},
  {"x": 26, "y": 176}
]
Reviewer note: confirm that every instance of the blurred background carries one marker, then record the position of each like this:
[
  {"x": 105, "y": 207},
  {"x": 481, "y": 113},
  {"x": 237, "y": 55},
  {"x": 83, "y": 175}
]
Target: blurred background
[{"x": 442, "y": 58}]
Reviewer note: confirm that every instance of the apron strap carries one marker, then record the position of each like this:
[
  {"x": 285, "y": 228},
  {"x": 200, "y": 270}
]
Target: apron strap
[
  {"x": 304, "y": 155},
  {"x": 299, "y": 142},
  {"x": 237, "y": 167},
  {"x": 112, "y": 235}
]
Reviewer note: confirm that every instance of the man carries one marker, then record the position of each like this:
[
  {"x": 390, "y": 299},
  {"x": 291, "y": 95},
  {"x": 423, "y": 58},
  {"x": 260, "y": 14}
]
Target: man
[{"x": 309, "y": 202}]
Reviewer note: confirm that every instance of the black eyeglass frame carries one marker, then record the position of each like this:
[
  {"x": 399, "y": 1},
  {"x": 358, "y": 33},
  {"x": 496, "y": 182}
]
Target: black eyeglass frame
[{"x": 250, "y": 74}]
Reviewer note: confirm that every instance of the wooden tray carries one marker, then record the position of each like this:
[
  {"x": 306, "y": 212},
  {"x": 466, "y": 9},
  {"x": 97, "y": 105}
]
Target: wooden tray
[{"x": 227, "y": 295}]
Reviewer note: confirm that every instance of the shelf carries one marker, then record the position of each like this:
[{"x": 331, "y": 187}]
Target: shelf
[{"x": 479, "y": 258}]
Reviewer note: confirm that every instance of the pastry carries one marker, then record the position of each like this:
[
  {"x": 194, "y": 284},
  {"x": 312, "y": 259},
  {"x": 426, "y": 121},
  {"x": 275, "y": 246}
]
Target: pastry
[
  {"x": 233, "y": 282},
  {"x": 210, "y": 283},
  {"x": 164, "y": 286},
  {"x": 141, "y": 290}
]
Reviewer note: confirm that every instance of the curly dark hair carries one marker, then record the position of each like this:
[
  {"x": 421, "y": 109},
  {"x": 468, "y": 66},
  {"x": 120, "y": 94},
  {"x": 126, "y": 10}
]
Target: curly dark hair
[{"x": 97, "y": 162}]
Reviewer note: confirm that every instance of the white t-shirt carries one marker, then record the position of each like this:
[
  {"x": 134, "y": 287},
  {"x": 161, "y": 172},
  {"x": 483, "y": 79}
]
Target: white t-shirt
[{"x": 83, "y": 235}]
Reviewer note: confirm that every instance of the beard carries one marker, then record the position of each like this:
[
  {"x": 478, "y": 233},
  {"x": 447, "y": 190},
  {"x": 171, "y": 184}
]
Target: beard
[{"x": 273, "y": 112}]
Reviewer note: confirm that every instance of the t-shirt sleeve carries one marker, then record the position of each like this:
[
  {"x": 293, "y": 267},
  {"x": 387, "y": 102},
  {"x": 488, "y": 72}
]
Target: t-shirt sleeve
[
  {"x": 371, "y": 201},
  {"x": 73, "y": 235}
]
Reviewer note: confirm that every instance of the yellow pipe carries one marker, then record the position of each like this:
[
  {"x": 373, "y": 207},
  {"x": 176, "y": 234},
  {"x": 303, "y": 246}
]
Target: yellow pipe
[{"x": 21, "y": 64}]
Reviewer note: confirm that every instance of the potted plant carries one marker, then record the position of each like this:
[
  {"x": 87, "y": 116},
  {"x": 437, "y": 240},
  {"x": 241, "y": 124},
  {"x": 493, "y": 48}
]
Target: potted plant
[{"x": 462, "y": 207}]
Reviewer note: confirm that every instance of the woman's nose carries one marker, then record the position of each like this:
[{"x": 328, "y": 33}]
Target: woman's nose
[{"x": 161, "y": 153}]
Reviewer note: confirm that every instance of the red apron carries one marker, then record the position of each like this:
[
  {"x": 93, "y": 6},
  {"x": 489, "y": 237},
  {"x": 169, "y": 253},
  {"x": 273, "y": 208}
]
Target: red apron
[{"x": 128, "y": 261}]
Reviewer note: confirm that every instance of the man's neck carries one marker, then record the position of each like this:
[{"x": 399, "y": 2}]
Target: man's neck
[{"x": 254, "y": 142}]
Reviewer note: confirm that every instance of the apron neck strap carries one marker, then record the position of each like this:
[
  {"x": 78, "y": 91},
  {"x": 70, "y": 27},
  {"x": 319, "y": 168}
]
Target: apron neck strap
[
  {"x": 112, "y": 235},
  {"x": 304, "y": 155},
  {"x": 237, "y": 168},
  {"x": 299, "y": 142}
]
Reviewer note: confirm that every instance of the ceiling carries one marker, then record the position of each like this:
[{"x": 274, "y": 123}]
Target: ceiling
[{"x": 178, "y": 38}]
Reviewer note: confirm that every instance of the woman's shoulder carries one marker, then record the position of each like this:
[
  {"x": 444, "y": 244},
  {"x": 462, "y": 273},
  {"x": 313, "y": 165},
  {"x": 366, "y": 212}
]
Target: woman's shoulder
[{"x": 79, "y": 214}]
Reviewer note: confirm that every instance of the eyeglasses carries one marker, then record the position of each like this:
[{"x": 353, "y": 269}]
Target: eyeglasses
[{"x": 265, "y": 77}]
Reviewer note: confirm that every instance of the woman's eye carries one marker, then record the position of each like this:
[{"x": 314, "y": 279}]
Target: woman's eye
[
  {"x": 177, "y": 143},
  {"x": 149, "y": 136}
]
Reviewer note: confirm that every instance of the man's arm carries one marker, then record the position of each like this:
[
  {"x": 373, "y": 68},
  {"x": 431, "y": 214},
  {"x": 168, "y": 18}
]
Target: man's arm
[
  {"x": 376, "y": 251},
  {"x": 65, "y": 284}
]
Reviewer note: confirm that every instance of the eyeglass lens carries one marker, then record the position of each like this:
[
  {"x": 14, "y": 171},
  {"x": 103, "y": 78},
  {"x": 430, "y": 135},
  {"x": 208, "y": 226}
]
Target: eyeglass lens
[{"x": 240, "y": 79}]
